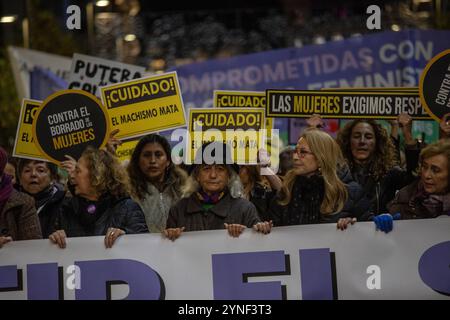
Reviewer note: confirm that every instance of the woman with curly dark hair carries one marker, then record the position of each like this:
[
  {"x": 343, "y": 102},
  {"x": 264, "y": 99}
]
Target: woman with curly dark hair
[
  {"x": 370, "y": 155},
  {"x": 156, "y": 182},
  {"x": 101, "y": 204}
]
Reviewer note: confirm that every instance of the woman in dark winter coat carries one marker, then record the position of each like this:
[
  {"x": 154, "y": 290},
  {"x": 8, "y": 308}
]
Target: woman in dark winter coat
[
  {"x": 312, "y": 192},
  {"x": 259, "y": 189},
  {"x": 18, "y": 218},
  {"x": 429, "y": 196},
  {"x": 101, "y": 205},
  {"x": 156, "y": 182},
  {"x": 212, "y": 199},
  {"x": 370, "y": 155},
  {"x": 38, "y": 179}
]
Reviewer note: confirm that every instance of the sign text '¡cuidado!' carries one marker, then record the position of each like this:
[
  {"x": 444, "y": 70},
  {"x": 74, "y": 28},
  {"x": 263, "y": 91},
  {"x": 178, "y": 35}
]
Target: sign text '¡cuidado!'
[
  {"x": 70, "y": 127},
  {"x": 126, "y": 94},
  {"x": 227, "y": 100},
  {"x": 218, "y": 120}
]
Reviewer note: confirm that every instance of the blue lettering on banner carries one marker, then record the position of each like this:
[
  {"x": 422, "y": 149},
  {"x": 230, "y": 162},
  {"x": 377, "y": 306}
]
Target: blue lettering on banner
[{"x": 230, "y": 271}]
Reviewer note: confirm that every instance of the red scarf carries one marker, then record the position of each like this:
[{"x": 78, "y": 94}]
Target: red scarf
[{"x": 6, "y": 189}]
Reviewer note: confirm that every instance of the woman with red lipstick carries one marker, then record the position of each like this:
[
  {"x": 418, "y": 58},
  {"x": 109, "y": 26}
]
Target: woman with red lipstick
[
  {"x": 429, "y": 196},
  {"x": 155, "y": 181}
]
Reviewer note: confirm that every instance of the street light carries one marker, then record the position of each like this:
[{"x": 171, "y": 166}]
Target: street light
[
  {"x": 130, "y": 37},
  {"x": 25, "y": 27},
  {"x": 8, "y": 19},
  {"x": 102, "y": 3}
]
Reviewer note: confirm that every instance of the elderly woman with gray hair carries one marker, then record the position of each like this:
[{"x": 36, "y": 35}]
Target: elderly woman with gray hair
[{"x": 212, "y": 198}]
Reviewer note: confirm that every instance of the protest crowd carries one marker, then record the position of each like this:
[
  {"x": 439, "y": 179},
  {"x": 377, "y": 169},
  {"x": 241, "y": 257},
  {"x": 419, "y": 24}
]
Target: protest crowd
[
  {"x": 184, "y": 154},
  {"x": 356, "y": 177}
]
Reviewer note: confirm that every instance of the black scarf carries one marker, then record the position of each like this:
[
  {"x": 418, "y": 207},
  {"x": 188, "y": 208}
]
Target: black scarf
[
  {"x": 307, "y": 197},
  {"x": 90, "y": 211},
  {"x": 43, "y": 197}
]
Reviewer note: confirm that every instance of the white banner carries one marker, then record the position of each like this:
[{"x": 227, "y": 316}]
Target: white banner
[
  {"x": 297, "y": 262},
  {"x": 24, "y": 60},
  {"x": 90, "y": 73}
]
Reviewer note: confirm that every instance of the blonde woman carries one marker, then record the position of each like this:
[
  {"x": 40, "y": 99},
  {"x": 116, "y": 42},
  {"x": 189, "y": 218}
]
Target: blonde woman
[{"x": 312, "y": 192}]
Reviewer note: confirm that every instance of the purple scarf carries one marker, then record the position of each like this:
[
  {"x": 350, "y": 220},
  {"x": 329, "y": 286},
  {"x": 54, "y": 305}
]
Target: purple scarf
[
  {"x": 436, "y": 204},
  {"x": 6, "y": 189},
  {"x": 210, "y": 199}
]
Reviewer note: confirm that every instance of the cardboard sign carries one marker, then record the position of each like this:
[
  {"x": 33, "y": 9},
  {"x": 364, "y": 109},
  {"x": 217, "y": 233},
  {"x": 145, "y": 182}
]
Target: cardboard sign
[
  {"x": 434, "y": 86},
  {"x": 145, "y": 105},
  {"x": 90, "y": 73},
  {"x": 242, "y": 99},
  {"x": 24, "y": 146},
  {"x": 125, "y": 150},
  {"x": 334, "y": 105},
  {"x": 67, "y": 122},
  {"x": 220, "y": 125}
]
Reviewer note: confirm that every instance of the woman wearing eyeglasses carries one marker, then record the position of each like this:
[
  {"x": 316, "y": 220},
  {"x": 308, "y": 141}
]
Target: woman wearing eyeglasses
[{"x": 312, "y": 192}]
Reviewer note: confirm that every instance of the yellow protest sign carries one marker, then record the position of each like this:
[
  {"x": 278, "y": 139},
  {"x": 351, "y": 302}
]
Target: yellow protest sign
[
  {"x": 242, "y": 99},
  {"x": 145, "y": 105},
  {"x": 24, "y": 146},
  {"x": 241, "y": 129},
  {"x": 125, "y": 150},
  {"x": 344, "y": 104}
]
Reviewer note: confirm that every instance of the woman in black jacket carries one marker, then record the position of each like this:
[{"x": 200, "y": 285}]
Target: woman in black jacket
[
  {"x": 370, "y": 155},
  {"x": 39, "y": 180},
  {"x": 258, "y": 191},
  {"x": 101, "y": 205},
  {"x": 312, "y": 192}
]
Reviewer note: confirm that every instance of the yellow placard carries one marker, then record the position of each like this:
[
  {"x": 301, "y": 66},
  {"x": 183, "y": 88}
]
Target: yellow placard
[
  {"x": 343, "y": 104},
  {"x": 242, "y": 129},
  {"x": 242, "y": 99},
  {"x": 125, "y": 150},
  {"x": 24, "y": 146},
  {"x": 145, "y": 105}
]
